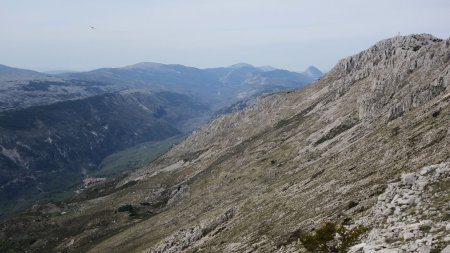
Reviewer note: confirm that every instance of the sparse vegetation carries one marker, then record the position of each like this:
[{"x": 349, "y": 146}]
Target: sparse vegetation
[
  {"x": 331, "y": 238},
  {"x": 352, "y": 204},
  {"x": 125, "y": 208},
  {"x": 136, "y": 156},
  {"x": 337, "y": 130},
  {"x": 425, "y": 228},
  {"x": 15, "y": 246},
  {"x": 446, "y": 217},
  {"x": 392, "y": 240}
]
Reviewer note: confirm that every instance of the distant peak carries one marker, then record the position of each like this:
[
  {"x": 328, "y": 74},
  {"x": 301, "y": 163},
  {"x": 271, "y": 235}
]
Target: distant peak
[
  {"x": 12, "y": 70},
  {"x": 266, "y": 68},
  {"x": 313, "y": 72},
  {"x": 384, "y": 50},
  {"x": 144, "y": 65},
  {"x": 313, "y": 69},
  {"x": 241, "y": 65},
  {"x": 406, "y": 42}
]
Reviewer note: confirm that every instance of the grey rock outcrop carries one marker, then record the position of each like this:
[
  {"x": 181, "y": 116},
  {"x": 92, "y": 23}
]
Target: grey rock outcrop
[
  {"x": 412, "y": 214},
  {"x": 384, "y": 74}
]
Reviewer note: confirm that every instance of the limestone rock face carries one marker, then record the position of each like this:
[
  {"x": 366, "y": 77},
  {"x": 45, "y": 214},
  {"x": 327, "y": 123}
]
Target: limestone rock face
[{"x": 419, "y": 221}]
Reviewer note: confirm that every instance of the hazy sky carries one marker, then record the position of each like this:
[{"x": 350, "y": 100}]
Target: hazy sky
[{"x": 291, "y": 34}]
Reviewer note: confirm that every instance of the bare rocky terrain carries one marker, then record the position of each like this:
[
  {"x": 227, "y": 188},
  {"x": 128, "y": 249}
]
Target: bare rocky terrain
[
  {"x": 366, "y": 144},
  {"x": 412, "y": 215}
]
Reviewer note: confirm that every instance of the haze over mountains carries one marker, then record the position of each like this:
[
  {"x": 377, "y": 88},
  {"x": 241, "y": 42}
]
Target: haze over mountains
[
  {"x": 367, "y": 145},
  {"x": 55, "y": 129},
  {"x": 217, "y": 86},
  {"x": 21, "y": 88}
]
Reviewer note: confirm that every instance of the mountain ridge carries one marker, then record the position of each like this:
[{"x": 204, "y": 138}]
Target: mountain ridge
[
  {"x": 11, "y": 70},
  {"x": 222, "y": 86},
  {"x": 23, "y": 88},
  {"x": 260, "y": 178}
]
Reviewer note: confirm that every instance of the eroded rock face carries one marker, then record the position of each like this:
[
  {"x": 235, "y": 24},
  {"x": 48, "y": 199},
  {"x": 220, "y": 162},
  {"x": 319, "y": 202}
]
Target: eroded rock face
[
  {"x": 185, "y": 238},
  {"x": 412, "y": 215},
  {"x": 384, "y": 71}
]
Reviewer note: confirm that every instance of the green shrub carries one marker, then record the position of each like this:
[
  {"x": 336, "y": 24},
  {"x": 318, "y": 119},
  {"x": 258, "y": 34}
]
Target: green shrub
[
  {"x": 320, "y": 240},
  {"x": 329, "y": 238},
  {"x": 352, "y": 204},
  {"x": 127, "y": 208},
  {"x": 348, "y": 238}
]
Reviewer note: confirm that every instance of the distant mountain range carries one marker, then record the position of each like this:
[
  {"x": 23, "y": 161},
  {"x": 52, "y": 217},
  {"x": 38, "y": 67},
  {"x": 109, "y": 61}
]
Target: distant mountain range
[
  {"x": 10, "y": 74},
  {"x": 54, "y": 129},
  {"x": 217, "y": 86}
]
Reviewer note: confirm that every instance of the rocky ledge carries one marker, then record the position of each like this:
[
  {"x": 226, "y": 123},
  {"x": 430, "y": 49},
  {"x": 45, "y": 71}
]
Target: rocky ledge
[{"x": 412, "y": 215}]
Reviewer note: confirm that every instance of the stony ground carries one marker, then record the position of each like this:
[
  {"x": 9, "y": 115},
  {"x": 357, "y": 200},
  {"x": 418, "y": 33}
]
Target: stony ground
[{"x": 412, "y": 215}]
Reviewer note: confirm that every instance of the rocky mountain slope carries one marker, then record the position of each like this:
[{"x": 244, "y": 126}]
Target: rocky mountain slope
[
  {"x": 412, "y": 214},
  {"x": 259, "y": 179}
]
